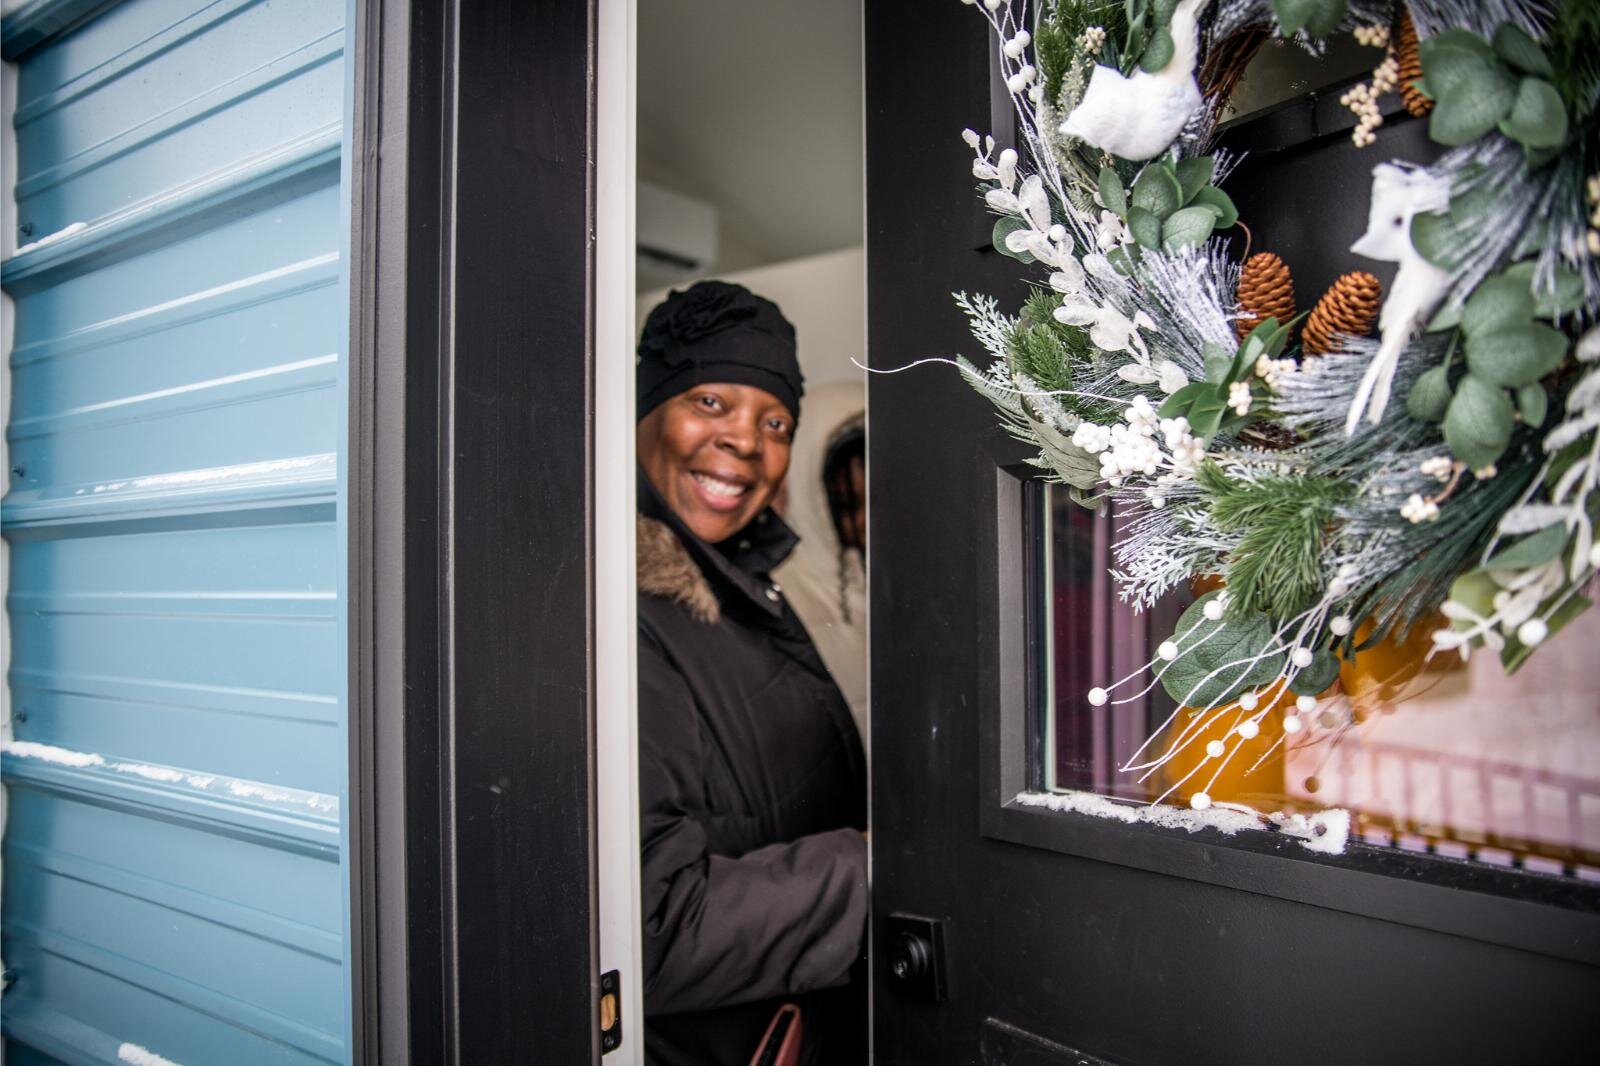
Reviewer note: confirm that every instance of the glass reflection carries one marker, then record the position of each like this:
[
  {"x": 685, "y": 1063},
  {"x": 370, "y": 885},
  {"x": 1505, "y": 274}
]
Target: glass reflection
[{"x": 1436, "y": 755}]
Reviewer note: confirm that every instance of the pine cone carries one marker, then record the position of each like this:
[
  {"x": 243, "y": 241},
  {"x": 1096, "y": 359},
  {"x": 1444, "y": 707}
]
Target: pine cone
[
  {"x": 1266, "y": 290},
  {"x": 1410, "y": 66},
  {"x": 1349, "y": 308}
]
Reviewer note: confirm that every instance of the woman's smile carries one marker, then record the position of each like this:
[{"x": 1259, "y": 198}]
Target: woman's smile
[{"x": 720, "y": 490}]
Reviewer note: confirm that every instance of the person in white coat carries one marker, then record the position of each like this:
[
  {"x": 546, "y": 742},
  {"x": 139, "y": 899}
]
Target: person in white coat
[{"x": 825, "y": 578}]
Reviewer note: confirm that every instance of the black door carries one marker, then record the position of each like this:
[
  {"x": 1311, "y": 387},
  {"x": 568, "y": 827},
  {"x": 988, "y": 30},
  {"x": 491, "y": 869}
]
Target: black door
[{"x": 1076, "y": 939}]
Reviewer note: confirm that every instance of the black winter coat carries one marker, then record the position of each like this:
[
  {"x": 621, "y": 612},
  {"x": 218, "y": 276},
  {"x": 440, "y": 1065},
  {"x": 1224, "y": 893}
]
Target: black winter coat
[{"x": 753, "y": 789}]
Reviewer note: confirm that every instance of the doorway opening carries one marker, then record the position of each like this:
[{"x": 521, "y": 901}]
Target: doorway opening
[{"x": 750, "y": 171}]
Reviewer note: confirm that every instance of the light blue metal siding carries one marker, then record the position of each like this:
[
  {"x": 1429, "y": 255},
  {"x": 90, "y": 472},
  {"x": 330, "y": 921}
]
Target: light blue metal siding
[{"x": 172, "y": 873}]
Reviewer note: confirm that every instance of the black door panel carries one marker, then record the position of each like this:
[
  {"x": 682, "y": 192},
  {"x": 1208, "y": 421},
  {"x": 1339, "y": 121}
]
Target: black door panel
[{"x": 1140, "y": 946}]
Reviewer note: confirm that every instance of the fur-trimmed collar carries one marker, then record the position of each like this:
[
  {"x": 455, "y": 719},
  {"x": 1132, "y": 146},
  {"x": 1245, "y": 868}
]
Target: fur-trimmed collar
[{"x": 665, "y": 569}]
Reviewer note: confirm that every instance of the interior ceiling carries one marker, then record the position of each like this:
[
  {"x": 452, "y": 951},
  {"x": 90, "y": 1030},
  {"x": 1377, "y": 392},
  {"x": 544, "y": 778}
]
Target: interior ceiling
[{"x": 756, "y": 106}]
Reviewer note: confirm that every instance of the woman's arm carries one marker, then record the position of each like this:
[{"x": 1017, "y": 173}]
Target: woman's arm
[{"x": 720, "y": 930}]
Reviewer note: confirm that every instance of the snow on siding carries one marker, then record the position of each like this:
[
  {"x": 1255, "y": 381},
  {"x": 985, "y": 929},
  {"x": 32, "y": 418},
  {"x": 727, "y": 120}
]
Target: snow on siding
[
  {"x": 27, "y": 749},
  {"x": 139, "y": 1056},
  {"x": 268, "y": 795},
  {"x": 51, "y": 238}
]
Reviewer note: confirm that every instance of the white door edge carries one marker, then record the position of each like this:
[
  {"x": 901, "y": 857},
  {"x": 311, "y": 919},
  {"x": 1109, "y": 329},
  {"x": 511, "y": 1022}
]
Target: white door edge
[{"x": 616, "y": 622}]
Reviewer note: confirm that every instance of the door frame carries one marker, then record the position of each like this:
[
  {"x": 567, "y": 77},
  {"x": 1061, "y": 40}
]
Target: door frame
[{"x": 483, "y": 560}]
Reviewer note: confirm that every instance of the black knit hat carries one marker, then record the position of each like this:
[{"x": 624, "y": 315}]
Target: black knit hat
[{"x": 715, "y": 331}]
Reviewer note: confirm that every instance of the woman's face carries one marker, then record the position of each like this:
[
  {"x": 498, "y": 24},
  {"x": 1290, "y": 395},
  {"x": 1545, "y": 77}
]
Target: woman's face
[{"x": 717, "y": 455}]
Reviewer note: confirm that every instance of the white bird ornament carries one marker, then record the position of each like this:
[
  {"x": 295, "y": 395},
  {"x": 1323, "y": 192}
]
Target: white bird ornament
[
  {"x": 1398, "y": 193},
  {"x": 1136, "y": 117}
]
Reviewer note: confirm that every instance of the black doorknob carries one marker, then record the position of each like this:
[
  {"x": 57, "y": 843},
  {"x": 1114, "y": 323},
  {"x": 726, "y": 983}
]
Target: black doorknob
[
  {"x": 910, "y": 957},
  {"x": 914, "y": 949}
]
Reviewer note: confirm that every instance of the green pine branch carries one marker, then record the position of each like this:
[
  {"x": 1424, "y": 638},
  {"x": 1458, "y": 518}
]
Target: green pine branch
[{"x": 1284, "y": 522}]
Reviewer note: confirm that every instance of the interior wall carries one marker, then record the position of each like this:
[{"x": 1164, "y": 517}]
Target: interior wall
[
  {"x": 823, "y": 295},
  {"x": 736, "y": 249}
]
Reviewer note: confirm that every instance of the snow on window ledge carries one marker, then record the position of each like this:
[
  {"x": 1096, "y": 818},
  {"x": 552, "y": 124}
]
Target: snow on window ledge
[{"x": 1326, "y": 831}]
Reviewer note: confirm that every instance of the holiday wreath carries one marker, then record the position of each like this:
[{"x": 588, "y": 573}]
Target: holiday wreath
[{"x": 1341, "y": 489}]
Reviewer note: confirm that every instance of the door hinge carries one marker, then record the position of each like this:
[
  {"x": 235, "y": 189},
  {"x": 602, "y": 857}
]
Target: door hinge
[{"x": 610, "y": 1011}]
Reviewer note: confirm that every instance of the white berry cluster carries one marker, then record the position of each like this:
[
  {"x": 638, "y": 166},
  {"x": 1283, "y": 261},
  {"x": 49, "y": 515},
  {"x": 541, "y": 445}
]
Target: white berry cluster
[
  {"x": 1272, "y": 370},
  {"x": 1439, "y": 467},
  {"x": 1094, "y": 39},
  {"x": 1376, "y": 36},
  {"x": 1416, "y": 509},
  {"x": 1362, "y": 99},
  {"x": 1593, "y": 189},
  {"x": 1131, "y": 447},
  {"x": 1239, "y": 397}
]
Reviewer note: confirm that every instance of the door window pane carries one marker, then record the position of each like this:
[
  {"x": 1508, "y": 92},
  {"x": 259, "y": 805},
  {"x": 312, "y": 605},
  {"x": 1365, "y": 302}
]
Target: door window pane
[{"x": 1440, "y": 755}]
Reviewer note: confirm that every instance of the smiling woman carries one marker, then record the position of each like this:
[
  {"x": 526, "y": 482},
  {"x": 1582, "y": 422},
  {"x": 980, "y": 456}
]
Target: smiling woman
[
  {"x": 717, "y": 454},
  {"x": 751, "y": 773}
]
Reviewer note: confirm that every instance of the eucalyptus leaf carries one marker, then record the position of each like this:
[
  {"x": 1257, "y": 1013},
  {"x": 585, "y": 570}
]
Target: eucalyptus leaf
[
  {"x": 1157, "y": 191},
  {"x": 1531, "y": 551},
  {"x": 1538, "y": 157},
  {"x": 1500, "y": 301},
  {"x": 1213, "y": 197},
  {"x": 1178, "y": 403},
  {"x": 1453, "y": 59},
  {"x": 1517, "y": 355},
  {"x": 1124, "y": 259},
  {"x": 1158, "y": 51},
  {"x": 1313, "y": 680},
  {"x": 1003, "y": 228},
  {"x": 1512, "y": 44},
  {"x": 1205, "y": 417},
  {"x": 1187, "y": 228},
  {"x": 1474, "y": 207},
  {"x": 1533, "y": 403},
  {"x": 1213, "y": 648},
  {"x": 1430, "y": 396},
  {"x": 1112, "y": 194},
  {"x": 1474, "y": 590},
  {"x": 1146, "y": 229},
  {"x": 1478, "y": 423},
  {"x": 1272, "y": 335},
  {"x": 1467, "y": 113},
  {"x": 1072, "y": 464},
  {"x": 1538, "y": 116},
  {"x": 1317, "y": 17},
  {"x": 1194, "y": 174},
  {"x": 1218, "y": 361},
  {"x": 1162, "y": 10},
  {"x": 1564, "y": 296},
  {"x": 1448, "y": 317},
  {"x": 1435, "y": 239}
]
